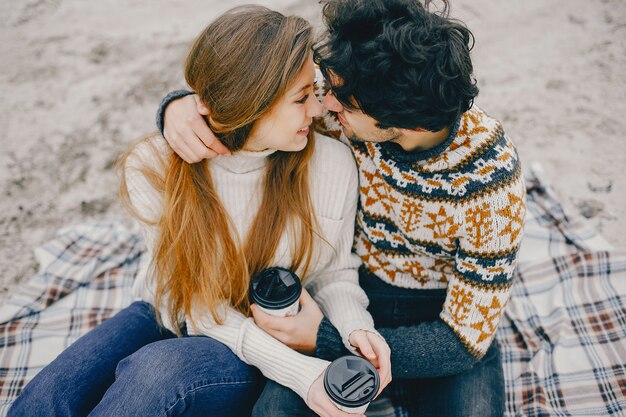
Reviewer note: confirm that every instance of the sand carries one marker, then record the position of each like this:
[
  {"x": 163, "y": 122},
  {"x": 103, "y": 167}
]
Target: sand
[{"x": 80, "y": 81}]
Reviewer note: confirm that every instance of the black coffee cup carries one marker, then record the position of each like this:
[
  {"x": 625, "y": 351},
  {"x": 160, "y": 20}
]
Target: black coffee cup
[
  {"x": 276, "y": 291},
  {"x": 351, "y": 382}
]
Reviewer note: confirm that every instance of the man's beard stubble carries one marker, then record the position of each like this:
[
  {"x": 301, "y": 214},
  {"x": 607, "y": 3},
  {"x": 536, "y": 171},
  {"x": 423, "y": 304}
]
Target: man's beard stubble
[{"x": 382, "y": 135}]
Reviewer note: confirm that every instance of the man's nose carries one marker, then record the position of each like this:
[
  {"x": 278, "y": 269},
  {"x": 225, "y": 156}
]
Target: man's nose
[{"x": 331, "y": 103}]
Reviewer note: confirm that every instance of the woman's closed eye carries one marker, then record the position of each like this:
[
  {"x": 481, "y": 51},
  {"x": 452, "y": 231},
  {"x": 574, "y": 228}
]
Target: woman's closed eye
[{"x": 303, "y": 99}]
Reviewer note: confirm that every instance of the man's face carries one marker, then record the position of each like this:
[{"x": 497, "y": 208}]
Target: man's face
[{"x": 357, "y": 125}]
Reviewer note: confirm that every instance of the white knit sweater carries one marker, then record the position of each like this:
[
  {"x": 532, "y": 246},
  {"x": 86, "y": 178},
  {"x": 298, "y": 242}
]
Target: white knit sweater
[{"x": 333, "y": 280}]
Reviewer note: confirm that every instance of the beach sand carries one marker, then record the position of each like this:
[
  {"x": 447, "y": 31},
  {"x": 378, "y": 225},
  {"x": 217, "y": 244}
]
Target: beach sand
[{"x": 80, "y": 81}]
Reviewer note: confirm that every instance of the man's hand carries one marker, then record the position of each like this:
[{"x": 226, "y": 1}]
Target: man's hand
[
  {"x": 299, "y": 332},
  {"x": 187, "y": 133},
  {"x": 374, "y": 348},
  {"x": 318, "y": 401}
]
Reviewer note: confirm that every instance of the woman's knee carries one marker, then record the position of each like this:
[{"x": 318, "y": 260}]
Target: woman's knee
[
  {"x": 224, "y": 399},
  {"x": 188, "y": 376},
  {"x": 185, "y": 362}
]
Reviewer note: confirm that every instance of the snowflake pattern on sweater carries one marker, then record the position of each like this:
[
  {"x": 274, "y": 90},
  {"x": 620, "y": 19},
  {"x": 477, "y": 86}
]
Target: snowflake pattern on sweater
[{"x": 451, "y": 217}]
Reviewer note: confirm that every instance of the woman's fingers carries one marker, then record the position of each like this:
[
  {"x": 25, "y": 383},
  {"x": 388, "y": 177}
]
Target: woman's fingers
[
  {"x": 383, "y": 355},
  {"x": 320, "y": 403},
  {"x": 359, "y": 339}
]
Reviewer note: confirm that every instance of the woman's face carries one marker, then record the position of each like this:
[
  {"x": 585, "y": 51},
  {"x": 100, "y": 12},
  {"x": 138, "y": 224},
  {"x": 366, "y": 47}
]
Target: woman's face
[{"x": 286, "y": 126}]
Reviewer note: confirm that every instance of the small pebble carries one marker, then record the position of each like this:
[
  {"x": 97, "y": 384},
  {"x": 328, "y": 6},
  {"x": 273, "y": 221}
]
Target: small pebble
[{"x": 590, "y": 207}]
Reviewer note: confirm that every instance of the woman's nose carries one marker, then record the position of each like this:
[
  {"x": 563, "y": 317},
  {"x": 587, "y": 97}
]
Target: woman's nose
[{"x": 315, "y": 108}]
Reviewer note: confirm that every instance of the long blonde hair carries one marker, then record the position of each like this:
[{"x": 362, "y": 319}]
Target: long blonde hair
[{"x": 239, "y": 66}]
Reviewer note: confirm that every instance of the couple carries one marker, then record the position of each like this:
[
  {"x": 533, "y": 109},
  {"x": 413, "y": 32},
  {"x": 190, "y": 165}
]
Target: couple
[{"x": 440, "y": 213}]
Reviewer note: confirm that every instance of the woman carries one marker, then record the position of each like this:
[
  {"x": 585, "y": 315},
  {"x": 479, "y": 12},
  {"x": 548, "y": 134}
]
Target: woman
[{"x": 282, "y": 199}]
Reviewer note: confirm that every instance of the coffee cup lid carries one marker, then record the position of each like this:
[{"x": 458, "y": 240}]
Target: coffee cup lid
[
  {"x": 351, "y": 381},
  {"x": 275, "y": 288}
]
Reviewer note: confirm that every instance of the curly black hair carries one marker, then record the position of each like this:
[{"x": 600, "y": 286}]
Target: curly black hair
[{"x": 397, "y": 61}]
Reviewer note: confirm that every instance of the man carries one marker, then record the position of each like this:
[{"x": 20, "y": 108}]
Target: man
[{"x": 441, "y": 207}]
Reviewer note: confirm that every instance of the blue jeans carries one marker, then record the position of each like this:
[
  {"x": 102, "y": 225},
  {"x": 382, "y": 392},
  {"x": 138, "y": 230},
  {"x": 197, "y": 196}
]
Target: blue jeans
[
  {"x": 476, "y": 393},
  {"x": 129, "y": 366}
]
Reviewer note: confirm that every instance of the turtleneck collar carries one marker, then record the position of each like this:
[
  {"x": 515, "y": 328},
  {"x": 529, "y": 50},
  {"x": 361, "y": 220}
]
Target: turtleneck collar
[
  {"x": 395, "y": 151},
  {"x": 241, "y": 162}
]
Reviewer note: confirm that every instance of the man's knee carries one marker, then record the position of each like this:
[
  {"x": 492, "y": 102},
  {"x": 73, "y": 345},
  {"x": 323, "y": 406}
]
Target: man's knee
[
  {"x": 279, "y": 401},
  {"x": 481, "y": 394}
]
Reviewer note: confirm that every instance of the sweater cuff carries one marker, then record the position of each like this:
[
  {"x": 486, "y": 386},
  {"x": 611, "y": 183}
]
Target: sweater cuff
[
  {"x": 174, "y": 95},
  {"x": 426, "y": 350},
  {"x": 344, "y": 305},
  {"x": 329, "y": 345}
]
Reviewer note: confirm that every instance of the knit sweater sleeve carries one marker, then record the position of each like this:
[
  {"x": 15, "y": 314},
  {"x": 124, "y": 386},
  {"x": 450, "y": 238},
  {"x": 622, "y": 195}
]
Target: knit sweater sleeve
[
  {"x": 255, "y": 347},
  {"x": 171, "y": 96},
  {"x": 486, "y": 257},
  {"x": 251, "y": 344},
  {"x": 335, "y": 286},
  {"x": 426, "y": 350}
]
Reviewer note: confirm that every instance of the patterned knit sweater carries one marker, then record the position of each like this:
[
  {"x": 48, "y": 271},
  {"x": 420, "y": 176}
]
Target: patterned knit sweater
[{"x": 450, "y": 217}]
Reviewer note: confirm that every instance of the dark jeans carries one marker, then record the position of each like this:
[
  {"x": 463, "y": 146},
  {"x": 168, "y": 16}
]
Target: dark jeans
[
  {"x": 128, "y": 366},
  {"x": 478, "y": 392}
]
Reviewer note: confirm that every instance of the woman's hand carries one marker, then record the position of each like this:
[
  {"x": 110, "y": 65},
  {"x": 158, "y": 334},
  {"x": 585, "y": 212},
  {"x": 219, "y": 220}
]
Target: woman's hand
[
  {"x": 318, "y": 401},
  {"x": 187, "y": 133},
  {"x": 374, "y": 348},
  {"x": 299, "y": 332}
]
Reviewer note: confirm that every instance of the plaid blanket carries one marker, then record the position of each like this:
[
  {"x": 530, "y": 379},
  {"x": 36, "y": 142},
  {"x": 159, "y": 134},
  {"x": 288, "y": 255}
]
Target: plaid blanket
[{"x": 563, "y": 337}]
